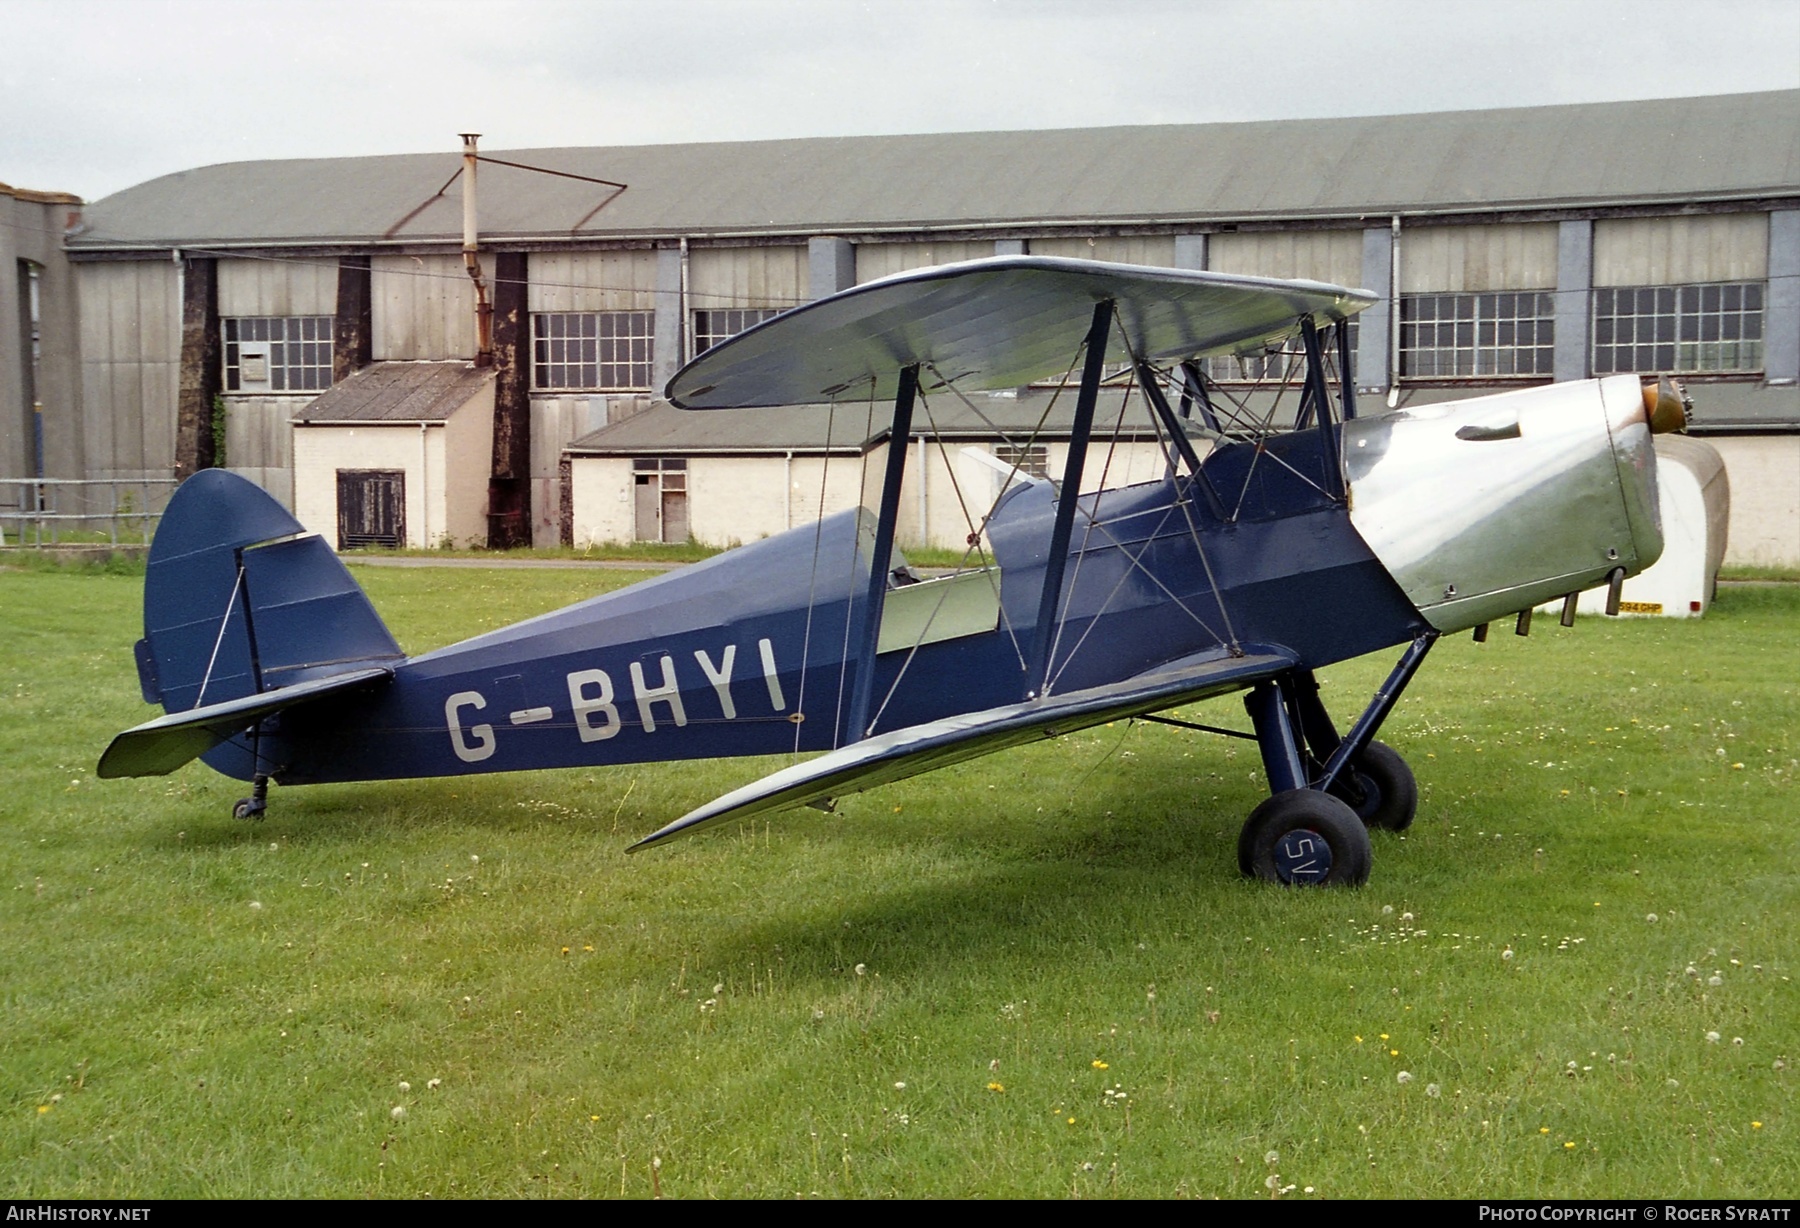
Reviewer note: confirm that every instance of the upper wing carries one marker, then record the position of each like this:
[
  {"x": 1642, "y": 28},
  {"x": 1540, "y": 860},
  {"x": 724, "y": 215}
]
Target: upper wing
[
  {"x": 1002, "y": 322},
  {"x": 920, "y": 748},
  {"x": 158, "y": 747}
]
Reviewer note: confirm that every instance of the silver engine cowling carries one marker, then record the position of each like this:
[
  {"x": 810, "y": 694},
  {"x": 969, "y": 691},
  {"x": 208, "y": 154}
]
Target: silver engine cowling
[{"x": 1485, "y": 507}]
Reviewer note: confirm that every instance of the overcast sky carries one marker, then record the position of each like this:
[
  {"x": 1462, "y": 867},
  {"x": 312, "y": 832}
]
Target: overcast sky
[{"x": 96, "y": 95}]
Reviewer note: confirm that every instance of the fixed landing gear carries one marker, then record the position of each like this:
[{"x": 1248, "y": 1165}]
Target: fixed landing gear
[
  {"x": 1305, "y": 838},
  {"x": 1327, "y": 791},
  {"x": 1380, "y": 788},
  {"x": 252, "y": 807}
]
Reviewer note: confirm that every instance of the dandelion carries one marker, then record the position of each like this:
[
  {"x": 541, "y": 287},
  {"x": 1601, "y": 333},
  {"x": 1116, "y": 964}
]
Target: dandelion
[
  {"x": 398, "y": 1112},
  {"x": 818, "y": 1015},
  {"x": 1650, "y": 917},
  {"x": 1712, "y": 1038},
  {"x": 861, "y": 968},
  {"x": 1507, "y": 954},
  {"x": 274, "y": 846},
  {"x": 1433, "y": 1090},
  {"x": 995, "y": 1087},
  {"x": 1756, "y": 1125},
  {"x": 1738, "y": 1041},
  {"x": 1403, "y": 1078},
  {"x": 1072, "y": 1121},
  {"x": 900, "y": 1087},
  {"x": 1543, "y": 1129},
  {"x": 1357, "y": 1039},
  {"x": 474, "y": 859},
  {"x": 431, "y": 1085},
  {"x": 43, "y": 1108},
  {"x": 1387, "y": 910},
  {"x": 255, "y": 905},
  {"x": 1097, "y": 1064},
  {"x": 1271, "y": 1181},
  {"x": 405, "y": 1087},
  {"x": 1674, "y": 1083},
  {"x": 1273, "y": 1157},
  {"x": 565, "y": 950},
  {"x": 719, "y": 987},
  {"x": 1569, "y": 1146}
]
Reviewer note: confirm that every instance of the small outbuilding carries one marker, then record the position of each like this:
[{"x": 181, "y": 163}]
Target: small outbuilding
[
  {"x": 397, "y": 455},
  {"x": 729, "y": 476}
]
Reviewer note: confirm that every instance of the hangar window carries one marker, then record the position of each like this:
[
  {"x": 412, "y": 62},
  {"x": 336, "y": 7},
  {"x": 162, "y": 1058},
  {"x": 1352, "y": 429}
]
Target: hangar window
[
  {"x": 712, "y": 327},
  {"x": 277, "y": 353},
  {"x": 1454, "y": 336},
  {"x": 1276, "y": 363},
  {"x": 1033, "y": 460},
  {"x": 1714, "y": 328},
  {"x": 607, "y": 351}
]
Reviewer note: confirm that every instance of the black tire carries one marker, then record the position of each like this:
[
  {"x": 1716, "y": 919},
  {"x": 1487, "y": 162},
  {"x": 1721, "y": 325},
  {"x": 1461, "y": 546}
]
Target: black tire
[
  {"x": 1305, "y": 838},
  {"x": 1380, "y": 788}
]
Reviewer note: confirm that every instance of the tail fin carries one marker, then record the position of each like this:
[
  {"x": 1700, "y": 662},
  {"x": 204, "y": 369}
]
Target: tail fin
[{"x": 239, "y": 600}]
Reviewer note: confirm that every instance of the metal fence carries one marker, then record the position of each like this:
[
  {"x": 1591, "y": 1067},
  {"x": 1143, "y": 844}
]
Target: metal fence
[{"x": 67, "y": 511}]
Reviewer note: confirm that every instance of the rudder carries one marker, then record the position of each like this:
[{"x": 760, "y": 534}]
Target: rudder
[{"x": 239, "y": 599}]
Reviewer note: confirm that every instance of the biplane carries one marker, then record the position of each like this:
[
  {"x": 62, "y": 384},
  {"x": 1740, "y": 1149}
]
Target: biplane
[{"x": 1275, "y": 542}]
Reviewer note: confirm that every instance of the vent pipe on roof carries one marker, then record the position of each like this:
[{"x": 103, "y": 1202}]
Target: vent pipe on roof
[{"x": 484, "y": 306}]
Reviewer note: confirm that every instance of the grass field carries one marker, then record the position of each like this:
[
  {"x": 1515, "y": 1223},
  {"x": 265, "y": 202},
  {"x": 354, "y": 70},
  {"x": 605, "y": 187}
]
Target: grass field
[{"x": 1034, "y": 974}]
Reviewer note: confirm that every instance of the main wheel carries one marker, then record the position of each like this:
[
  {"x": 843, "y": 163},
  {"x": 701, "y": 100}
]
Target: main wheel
[
  {"x": 1305, "y": 838},
  {"x": 1380, "y": 788}
]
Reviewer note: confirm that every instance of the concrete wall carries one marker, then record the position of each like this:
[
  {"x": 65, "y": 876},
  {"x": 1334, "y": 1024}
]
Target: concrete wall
[
  {"x": 593, "y": 281},
  {"x": 738, "y": 499},
  {"x": 1655, "y": 251},
  {"x": 721, "y": 277},
  {"x": 1335, "y": 256},
  {"x": 1156, "y": 250},
  {"x": 130, "y": 365},
  {"x": 1469, "y": 259},
  {"x": 259, "y": 441},
  {"x": 320, "y": 451},
  {"x": 279, "y": 287},
  {"x": 423, "y": 307},
  {"x": 1764, "y": 471},
  {"x": 31, "y": 229},
  {"x": 875, "y": 260},
  {"x": 468, "y": 459}
]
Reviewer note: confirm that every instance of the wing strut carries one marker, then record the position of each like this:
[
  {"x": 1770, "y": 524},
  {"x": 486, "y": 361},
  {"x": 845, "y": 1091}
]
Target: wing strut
[
  {"x": 1042, "y": 636},
  {"x": 858, "y": 727},
  {"x": 1158, "y": 402}
]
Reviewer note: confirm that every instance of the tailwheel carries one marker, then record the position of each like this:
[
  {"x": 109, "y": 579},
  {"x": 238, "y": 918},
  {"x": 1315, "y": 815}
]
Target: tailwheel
[
  {"x": 1380, "y": 788},
  {"x": 1304, "y": 838},
  {"x": 252, "y": 807}
]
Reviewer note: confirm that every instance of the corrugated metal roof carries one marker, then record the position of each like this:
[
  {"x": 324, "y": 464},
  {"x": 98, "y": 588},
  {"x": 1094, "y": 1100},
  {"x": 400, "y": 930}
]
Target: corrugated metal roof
[
  {"x": 1676, "y": 150},
  {"x": 399, "y": 392},
  {"x": 664, "y": 429}
]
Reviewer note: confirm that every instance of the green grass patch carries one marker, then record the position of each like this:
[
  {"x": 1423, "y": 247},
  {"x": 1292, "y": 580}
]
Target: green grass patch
[
  {"x": 1034, "y": 974},
  {"x": 1786, "y": 575}
]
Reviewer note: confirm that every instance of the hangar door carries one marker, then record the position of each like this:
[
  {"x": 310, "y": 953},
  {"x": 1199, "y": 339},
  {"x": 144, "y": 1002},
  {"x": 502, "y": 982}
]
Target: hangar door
[
  {"x": 371, "y": 508},
  {"x": 660, "y": 489}
]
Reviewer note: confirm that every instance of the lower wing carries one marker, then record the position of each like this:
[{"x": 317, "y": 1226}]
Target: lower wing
[{"x": 922, "y": 748}]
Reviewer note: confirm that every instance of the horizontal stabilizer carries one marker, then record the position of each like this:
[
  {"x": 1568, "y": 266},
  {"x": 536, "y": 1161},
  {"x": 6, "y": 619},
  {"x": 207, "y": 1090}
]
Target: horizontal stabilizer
[
  {"x": 158, "y": 747},
  {"x": 921, "y": 748}
]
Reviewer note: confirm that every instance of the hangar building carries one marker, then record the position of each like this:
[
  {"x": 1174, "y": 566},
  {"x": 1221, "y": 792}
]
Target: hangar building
[{"x": 1506, "y": 247}]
